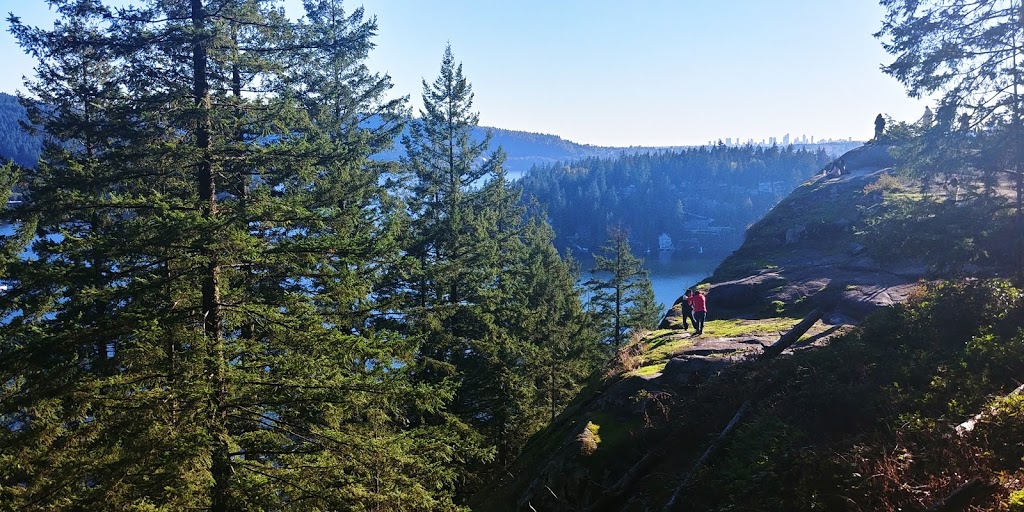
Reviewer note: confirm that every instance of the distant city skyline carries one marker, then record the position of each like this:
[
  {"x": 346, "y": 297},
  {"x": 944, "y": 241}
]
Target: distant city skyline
[
  {"x": 606, "y": 73},
  {"x": 785, "y": 140}
]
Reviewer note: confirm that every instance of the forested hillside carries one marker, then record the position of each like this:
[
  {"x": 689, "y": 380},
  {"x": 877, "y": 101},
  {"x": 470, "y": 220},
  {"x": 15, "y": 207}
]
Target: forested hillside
[
  {"x": 15, "y": 144},
  {"x": 702, "y": 198}
]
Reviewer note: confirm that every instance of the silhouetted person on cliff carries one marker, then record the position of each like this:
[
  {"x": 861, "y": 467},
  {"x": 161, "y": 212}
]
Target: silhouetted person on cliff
[
  {"x": 879, "y": 127},
  {"x": 687, "y": 310}
]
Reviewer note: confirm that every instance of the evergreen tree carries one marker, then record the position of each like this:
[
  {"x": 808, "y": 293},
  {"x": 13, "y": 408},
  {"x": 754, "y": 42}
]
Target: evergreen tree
[
  {"x": 194, "y": 328},
  {"x": 568, "y": 351},
  {"x": 624, "y": 299},
  {"x": 644, "y": 311},
  {"x": 488, "y": 290},
  {"x": 455, "y": 241},
  {"x": 970, "y": 53}
]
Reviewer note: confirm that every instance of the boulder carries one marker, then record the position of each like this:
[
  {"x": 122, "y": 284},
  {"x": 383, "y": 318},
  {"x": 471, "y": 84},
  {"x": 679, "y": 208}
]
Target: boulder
[
  {"x": 871, "y": 157},
  {"x": 671, "y": 319},
  {"x": 743, "y": 293}
]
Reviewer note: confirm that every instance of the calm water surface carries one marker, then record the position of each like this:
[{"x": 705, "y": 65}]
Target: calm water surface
[{"x": 671, "y": 273}]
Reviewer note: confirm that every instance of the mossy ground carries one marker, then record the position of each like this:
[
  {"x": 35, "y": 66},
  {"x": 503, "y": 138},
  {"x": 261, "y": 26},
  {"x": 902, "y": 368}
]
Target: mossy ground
[{"x": 661, "y": 345}]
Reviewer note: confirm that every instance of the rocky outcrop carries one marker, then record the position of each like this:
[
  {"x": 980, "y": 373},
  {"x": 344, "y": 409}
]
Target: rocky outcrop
[
  {"x": 854, "y": 293},
  {"x": 805, "y": 253},
  {"x": 869, "y": 157},
  {"x": 803, "y": 256},
  {"x": 745, "y": 293}
]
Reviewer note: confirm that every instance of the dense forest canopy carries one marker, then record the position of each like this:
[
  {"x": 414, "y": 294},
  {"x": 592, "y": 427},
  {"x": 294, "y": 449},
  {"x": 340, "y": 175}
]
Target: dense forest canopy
[
  {"x": 216, "y": 296},
  {"x": 702, "y": 198}
]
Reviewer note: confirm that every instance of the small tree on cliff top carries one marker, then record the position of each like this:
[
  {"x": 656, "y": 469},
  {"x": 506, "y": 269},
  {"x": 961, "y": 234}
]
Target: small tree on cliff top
[{"x": 624, "y": 298}]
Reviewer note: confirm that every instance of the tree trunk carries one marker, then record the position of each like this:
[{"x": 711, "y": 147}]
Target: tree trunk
[
  {"x": 675, "y": 501},
  {"x": 963, "y": 495},
  {"x": 220, "y": 462},
  {"x": 793, "y": 335},
  {"x": 1018, "y": 227}
]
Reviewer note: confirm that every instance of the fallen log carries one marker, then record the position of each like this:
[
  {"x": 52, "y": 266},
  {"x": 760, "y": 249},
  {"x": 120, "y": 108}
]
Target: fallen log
[
  {"x": 968, "y": 426},
  {"x": 676, "y": 500},
  {"x": 793, "y": 335},
  {"x": 963, "y": 495},
  {"x": 769, "y": 352}
]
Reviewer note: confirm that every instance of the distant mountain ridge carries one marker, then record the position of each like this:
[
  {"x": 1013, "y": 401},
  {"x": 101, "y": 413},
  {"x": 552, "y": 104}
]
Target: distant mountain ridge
[
  {"x": 526, "y": 149},
  {"x": 523, "y": 150}
]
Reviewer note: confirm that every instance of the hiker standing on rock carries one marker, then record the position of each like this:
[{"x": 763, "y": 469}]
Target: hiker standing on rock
[
  {"x": 700, "y": 310},
  {"x": 687, "y": 309}
]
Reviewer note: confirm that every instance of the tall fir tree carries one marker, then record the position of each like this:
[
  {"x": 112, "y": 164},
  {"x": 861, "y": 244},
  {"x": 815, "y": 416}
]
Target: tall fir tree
[
  {"x": 443, "y": 304},
  {"x": 193, "y": 326},
  {"x": 479, "y": 279},
  {"x": 567, "y": 349}
]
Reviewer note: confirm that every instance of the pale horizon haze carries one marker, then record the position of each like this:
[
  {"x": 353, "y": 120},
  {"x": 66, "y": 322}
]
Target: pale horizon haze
[{"x": 612, "y": 73}]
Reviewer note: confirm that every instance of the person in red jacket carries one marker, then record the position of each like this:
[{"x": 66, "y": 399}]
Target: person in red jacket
[{"x": 700, "y": 310}]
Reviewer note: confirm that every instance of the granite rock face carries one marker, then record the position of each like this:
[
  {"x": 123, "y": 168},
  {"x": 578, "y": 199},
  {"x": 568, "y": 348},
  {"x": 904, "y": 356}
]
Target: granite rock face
[{"x": 805, "y": 252}]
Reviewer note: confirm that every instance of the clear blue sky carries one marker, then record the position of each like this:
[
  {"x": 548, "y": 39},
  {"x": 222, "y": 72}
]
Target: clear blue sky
[{"x": 614, "y": 73}]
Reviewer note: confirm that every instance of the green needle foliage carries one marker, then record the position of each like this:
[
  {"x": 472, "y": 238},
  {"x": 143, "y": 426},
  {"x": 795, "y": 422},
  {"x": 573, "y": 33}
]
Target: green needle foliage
[
  {"x": 216, "y": 298},
  {"x": 969, "y": 54},
  {"x": 622, "y": 294},
  {"x": 490, "y": 301},
  {"x": 193, "y": 325}
]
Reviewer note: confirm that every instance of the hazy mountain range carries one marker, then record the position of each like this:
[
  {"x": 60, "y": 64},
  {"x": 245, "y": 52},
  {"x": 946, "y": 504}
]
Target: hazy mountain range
[{"x": 523, "y": 149}]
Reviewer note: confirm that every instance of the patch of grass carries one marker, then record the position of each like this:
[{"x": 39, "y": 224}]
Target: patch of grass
[
  {"x": 616, "y": 437},
  {"x": 589, "y": 439},
  {"x": 658, "y": 334},
  {"x": 663, "y": 350},
  {"x": 886, "y": 183},
  {"x": 1016, "y": 501},
  {"x": 649, "y": 370},
  {"x": 738, "y": 327}
]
